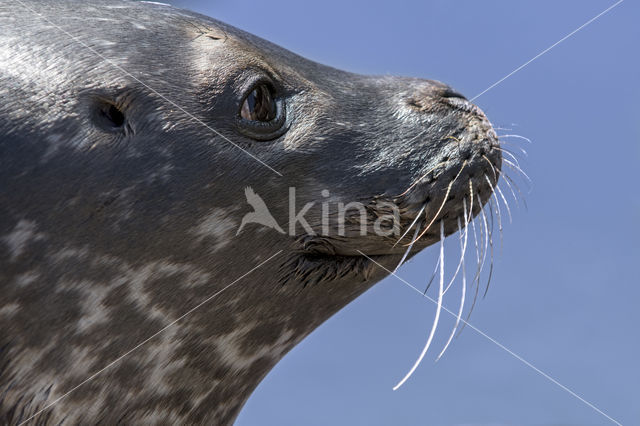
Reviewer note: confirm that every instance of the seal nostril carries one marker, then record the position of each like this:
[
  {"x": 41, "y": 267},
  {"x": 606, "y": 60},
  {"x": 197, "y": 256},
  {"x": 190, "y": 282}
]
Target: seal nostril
[{"x": 450, "y": 93}]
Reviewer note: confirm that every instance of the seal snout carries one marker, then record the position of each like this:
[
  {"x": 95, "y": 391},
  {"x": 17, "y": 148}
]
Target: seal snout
[{"x": 463, "y": 162}]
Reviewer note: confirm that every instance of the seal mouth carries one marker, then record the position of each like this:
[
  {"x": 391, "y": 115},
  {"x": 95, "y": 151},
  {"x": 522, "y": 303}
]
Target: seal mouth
[{"x": 313, "y": 268}]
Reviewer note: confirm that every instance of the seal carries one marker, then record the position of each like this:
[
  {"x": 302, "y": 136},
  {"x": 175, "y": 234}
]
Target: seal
[{"x": 130, "y": 134}]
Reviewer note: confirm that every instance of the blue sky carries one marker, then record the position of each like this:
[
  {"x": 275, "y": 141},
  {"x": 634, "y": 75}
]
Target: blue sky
[{"x": 565, "y": 291}]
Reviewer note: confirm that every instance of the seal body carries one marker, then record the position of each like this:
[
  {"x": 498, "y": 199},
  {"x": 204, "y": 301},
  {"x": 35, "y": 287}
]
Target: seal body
[{"x": 124, "y": 163}]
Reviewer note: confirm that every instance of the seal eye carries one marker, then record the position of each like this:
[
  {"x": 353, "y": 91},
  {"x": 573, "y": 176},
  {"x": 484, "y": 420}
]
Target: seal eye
[
  {"x": 259, "y": 105},
  {"x": 262, "y": 114}
]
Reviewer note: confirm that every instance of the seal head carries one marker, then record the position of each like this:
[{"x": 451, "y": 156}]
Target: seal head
[{"x": 129, "y": 133}]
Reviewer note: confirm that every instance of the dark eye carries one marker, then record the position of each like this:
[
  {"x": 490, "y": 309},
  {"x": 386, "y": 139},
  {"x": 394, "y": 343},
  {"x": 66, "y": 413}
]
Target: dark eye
[
  {"x": 263, "y": 112},
  {"x": 259, "y": 105}
]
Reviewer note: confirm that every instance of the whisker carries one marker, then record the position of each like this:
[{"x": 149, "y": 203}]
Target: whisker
[
  {"x": 438, "y": 309},
  {"x": 466, "y": 215},
  {"x": 510, "y": 144},
  {"x": 517, "y": 168},
  {"x": 477, "y": 283},
  {"x": 433, "y": 276},
  {"x": 516, "y": 137},
  {"x": 464, "y": 249},
  {"x": 475, "y": 235},
  {"x": 469, "y": 217},
  {"x": 467, "y": 220},
  {"x": 493, "y": 169},
  {"x": 406, "y": 253},
  {"x": 486, "y": 290},
  {"x": 476, "y": 278},
  {"x": 490, "y": 238},
  {"x": 464, "y": 290},
  {"x": 422, "y": 177},
  {"x": 497, "y": 209},
  {"x": 513, "y": 193},
  {"x": 510, "y": 155},
  {"x": 446, "y": 196},
  {"x": 504, "y": 199},
  {"x": 508, "y": 179},
  {"x": 484, "y": 236},
  {"x": 411, "y": 226}
]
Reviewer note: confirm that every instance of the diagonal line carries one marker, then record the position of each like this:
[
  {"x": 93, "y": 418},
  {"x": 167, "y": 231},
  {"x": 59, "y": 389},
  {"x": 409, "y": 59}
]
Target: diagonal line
[
  {"x": 172, "y": 323},
  {"x": 501, "y": 346},
  {"x": 124, "y": 71},
  {"x": 545, "y": 50}
]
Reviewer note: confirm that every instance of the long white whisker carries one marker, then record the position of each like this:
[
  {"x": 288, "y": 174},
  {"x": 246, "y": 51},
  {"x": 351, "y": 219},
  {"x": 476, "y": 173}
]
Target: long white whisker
[
  {"x": 510, "y": 144},
  {"x": 461, "y": 262},
  {"x": 515, "y": 137},
  {"x": 490, "y": 239},
  {"x": 406, "y": 253},
  {"x": 524, "y": 152},
  {"x": 475, "y": 240},
  {"x": 524, "y": 200},
  {"x": 517, "y": 168},
  {"x": 473, "y": 304},
  {"x": 505, "y": 203},
  {"x": 513, "y": 193},
  {"x": 513, "y": 157},
  {"x": 464, "y": 290},
  {"x": 493, "y": 169},
  {"x": 486, "y": 233},
  {"x": 438, "y": 309},
  {"x": 433, "y": 276},
  {"x": 476, "y": 278},
  {"x": 411, "y": 226},
  {"x": 468, "y": 215},
  {"x": 497, "y": 208}
]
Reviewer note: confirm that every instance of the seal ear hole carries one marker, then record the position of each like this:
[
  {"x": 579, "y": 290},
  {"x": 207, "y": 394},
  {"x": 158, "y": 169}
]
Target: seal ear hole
[
  {"x": 114, "y": 115},
  {"x": 108, "y": 116}
]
